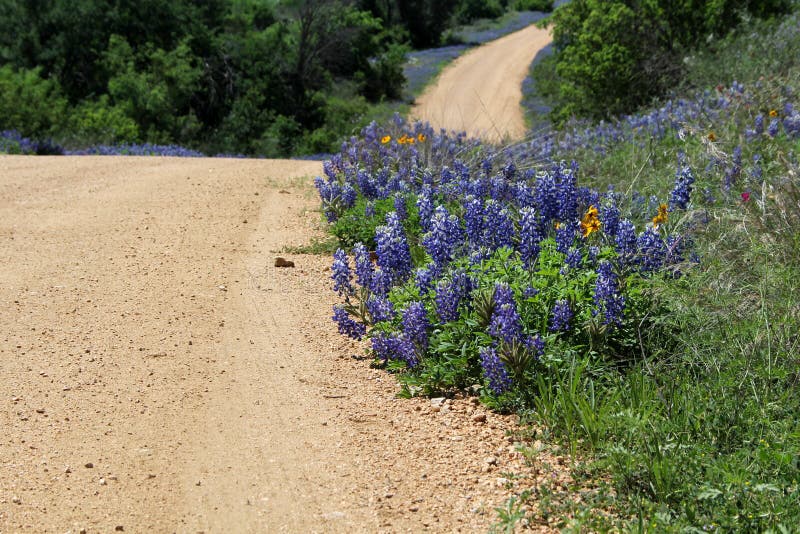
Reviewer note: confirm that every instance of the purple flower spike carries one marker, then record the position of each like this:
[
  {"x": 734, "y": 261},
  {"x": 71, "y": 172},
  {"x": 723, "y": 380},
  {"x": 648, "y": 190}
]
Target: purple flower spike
[{"x": 495, "y": 371}]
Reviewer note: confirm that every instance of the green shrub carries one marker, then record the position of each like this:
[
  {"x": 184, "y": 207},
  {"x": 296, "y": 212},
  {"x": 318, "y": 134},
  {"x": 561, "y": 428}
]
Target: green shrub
[{"x": 29, "y": 103}]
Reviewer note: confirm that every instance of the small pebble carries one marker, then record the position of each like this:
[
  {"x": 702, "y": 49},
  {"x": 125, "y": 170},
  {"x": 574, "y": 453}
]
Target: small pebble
[
  {"x": 88, "y": 465},
  {"x": 479, "y": 417}
]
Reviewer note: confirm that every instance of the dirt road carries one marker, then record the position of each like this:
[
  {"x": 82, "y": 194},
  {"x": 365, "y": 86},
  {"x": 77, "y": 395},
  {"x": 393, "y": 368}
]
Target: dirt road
[
  {"x": 481, "y": 91},
  {"x": 159, "y": 374}
]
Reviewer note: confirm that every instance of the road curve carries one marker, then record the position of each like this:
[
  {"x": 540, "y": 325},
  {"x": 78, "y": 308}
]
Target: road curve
[{"x": 481, "y": 91}]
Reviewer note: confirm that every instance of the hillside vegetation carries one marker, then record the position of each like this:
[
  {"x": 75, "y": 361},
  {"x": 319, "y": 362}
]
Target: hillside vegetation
[{"x": 628, "y": 287}]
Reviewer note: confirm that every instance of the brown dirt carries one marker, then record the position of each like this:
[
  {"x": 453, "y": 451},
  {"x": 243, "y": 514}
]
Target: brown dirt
[{"x": 481, "y": 91}]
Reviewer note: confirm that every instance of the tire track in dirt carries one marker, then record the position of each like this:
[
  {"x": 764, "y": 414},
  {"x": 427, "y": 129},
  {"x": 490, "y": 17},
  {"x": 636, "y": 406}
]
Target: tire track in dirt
[{"x": 481, "y": 92}]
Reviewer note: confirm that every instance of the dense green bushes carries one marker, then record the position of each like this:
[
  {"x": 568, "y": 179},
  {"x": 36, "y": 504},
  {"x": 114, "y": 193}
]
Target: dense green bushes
[{"x": 612, "y": 57}]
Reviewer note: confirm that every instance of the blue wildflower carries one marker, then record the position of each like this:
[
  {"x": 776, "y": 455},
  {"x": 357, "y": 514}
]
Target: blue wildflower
[
  {"x": 772, "y": 129},
  {"x": 574, "y": 258},
  {"x": 364, "y": 267},
  {"x": 652, "y": 250},
  {"x": 450, "y": 294},
  {"x": 341, "y": 273},
  {"x": 394, "y": 256},
  {"x": 347, "y": 325},
  {"x": 505, "y": 323},
  {"x": 679, "y": 198},
  {"x": 562, "y": 316},
  {"x": 626, "y": 242},
  {"x": 416, "y": 325},
  {"x": 400, "y": 206},
  {"x": 495, "y": 371},
  {"x": 425, "y": 207},
  {"x": 444, "y": 237},
  {"x": 380, "y": 309},
  {"x": 607, "y": 299},
  {"x": 498, "y": 230},
  {"x": 395, "y": 347},
  {"x": 535, "y": 345},
  {"x": 565, "y": 235},
  {"x": 530, "y": 236}
]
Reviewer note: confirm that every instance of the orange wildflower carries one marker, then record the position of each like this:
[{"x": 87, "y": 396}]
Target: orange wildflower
[{"x": 421, "y": 137}]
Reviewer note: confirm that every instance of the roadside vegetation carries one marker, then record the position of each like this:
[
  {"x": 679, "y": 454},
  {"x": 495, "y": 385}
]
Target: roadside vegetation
[
  {"x": 236, "y": 77},
  {"x": 628, "y": 287}
]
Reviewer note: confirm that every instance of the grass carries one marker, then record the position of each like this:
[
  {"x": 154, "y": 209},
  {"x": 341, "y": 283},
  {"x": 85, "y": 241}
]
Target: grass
[{"x": 704, "y": 435}]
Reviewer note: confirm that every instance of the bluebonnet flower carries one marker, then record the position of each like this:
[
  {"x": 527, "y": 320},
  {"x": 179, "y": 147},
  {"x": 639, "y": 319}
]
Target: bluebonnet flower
[
  {"x": 495, "y": 371},
  {"x": 347, "y": 325},
  {"x": 609, "y": 216},
  {"x": 380, "y": 282},
  {"x": 626, "y": 242},
  {"x": 594, "y": 251},
  {"x": 679, "y": 197},
  {"x": 416, "y": 324},
  {"x": 498, "y": 230},
  {"x": 400, "y": 206},
  {"x": 574, "y": 258},
  {"x": 562, "y": 316},
  {"x": 759, "y": 124},
  {"x": 530, "y": 292},
  {"x": 772, "y": 129},
  {"x": 450, "y": 294},
  {"x": 364, "y": 268},
  {"x": 505, "y": 323},
  {"x": 424, "y": 278},
  {"x": 425, "y": 207},
  {"x": 366, "y": 185},
  {"x": 369, "y": 210},
  {"x": 756, "y": 172},
  {"x": 565, "y": 235},
  {"x": 607, "y": 299},
  {"x": 535, "y": 345},
  {"x": 652, "y": 250},
  {"x": 444, "y": 237},
  {"x": 395, "y": 347},
  {"x": 380, "y": 309},
  {"x": 530, "y": 235},
  {"x": 341, "y": 273},
  {"x": 473, "y": 219},
  {"x": 394, "y": 256}
]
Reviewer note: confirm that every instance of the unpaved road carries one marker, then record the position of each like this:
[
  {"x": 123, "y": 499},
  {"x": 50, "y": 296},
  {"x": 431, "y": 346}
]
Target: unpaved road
[
  {"x": 159, "y": 374},
  {"x": 481, "y": 92}
]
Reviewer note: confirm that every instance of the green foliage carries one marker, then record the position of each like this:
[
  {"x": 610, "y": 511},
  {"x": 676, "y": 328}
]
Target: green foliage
[
  {"x": 470, "y": 10},
  {"x": 612, "y": 57},
  {"x": 98, "y": 123},
  {"x": 28, "y": 103},
  {"x": 532, "y": 5}
]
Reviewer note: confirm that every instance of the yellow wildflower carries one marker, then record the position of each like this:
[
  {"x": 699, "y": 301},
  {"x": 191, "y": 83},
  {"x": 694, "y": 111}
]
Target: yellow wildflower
[
  {"x": 773, "y": 113},
  {"x": 662, "y": 216},
  {"x": 385, "y": 139},
  {"x": 590, "y": 222},
  {"x": 712, "y": 136},
  {"x": 421, "y": 137},
  {"x": 403, "y": 140}
]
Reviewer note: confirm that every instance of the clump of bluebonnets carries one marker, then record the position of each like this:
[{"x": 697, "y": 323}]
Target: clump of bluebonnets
[{"x": 504, "y": 269}]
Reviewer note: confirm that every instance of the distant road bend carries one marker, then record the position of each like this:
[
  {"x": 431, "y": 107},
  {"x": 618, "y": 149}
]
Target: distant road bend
[{"x": 481, "y": 91}]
